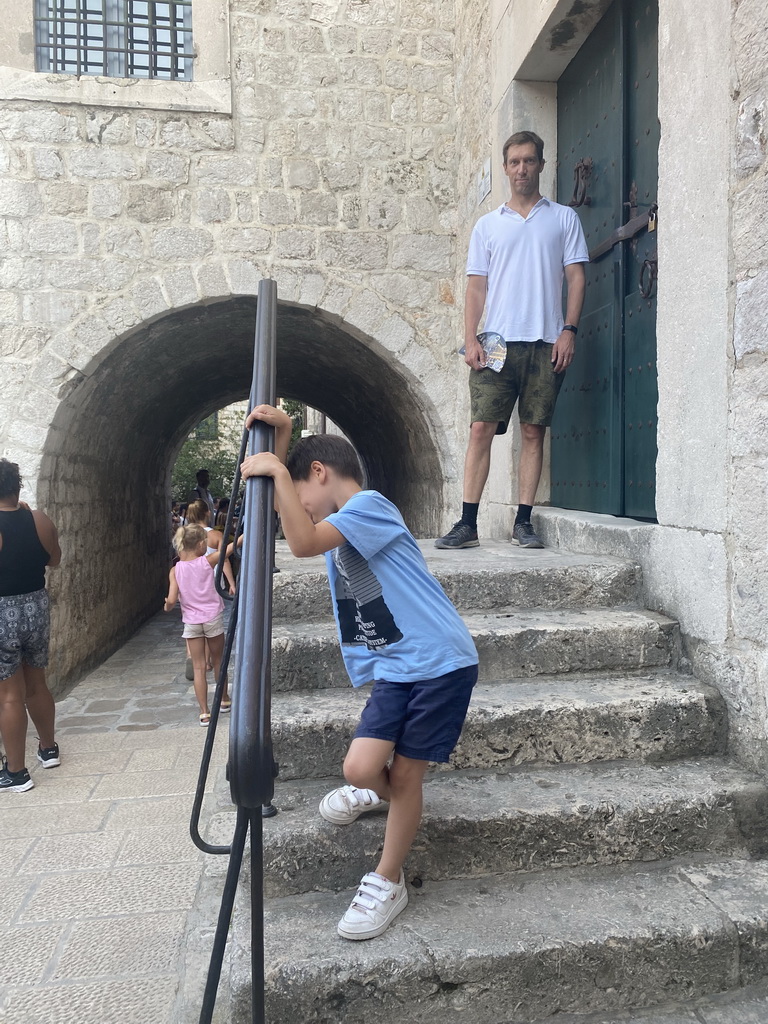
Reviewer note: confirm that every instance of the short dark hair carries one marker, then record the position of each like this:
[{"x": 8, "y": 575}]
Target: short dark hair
[
  {"x": 10, "y": 479},
  {"x": 200, "y": 472},
  {"x": 330, "y": 449},
  {"x": 522, "y": 139}
]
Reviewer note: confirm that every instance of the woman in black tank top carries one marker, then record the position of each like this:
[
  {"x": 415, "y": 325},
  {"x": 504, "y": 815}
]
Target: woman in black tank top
[{"x": 28, "y": 543}]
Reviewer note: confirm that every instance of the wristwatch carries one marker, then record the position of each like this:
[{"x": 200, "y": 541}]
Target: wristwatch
[{"x": 570, "y": 327}]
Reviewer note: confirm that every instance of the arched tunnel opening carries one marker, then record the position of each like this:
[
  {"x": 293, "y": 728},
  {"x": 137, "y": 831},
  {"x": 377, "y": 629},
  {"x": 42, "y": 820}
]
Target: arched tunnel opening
[{"x": 105, "y": 475}]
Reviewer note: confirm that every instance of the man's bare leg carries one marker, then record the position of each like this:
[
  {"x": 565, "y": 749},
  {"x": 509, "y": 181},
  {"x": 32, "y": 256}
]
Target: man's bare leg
[
  {"x": 477, "y": 461},
  {"x": 531, "y": 461}
]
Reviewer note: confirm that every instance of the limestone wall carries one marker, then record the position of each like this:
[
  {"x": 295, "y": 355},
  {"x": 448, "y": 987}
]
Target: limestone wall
[{"x": 126, "y": 230}]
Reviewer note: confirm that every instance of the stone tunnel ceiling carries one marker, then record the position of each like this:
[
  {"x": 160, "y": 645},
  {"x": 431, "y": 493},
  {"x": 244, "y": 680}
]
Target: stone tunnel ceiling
[{"x": 105, "y": 474}]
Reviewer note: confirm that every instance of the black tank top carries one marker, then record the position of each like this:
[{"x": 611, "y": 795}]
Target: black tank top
[{"x": 22, "y": 557}]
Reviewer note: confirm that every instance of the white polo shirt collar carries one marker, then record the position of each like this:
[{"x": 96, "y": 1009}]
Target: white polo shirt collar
[{"x": 506, "y": 209}]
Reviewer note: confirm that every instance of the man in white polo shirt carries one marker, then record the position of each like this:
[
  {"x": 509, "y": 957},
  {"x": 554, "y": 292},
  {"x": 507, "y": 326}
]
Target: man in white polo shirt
[{"x": 518, "y": 257}]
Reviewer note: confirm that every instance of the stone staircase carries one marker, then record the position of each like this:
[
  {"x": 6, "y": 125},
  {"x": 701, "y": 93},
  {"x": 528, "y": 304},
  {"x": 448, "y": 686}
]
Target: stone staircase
[{"x": 590, "y": 847}]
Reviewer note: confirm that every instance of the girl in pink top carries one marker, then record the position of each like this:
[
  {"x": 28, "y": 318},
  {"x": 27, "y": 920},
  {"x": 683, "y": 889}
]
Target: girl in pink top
[{"x": 202, "y": 609}]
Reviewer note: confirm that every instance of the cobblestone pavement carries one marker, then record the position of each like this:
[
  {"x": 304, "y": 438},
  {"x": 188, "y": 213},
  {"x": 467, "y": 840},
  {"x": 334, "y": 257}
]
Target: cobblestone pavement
[{"x": 101, "y": 882}]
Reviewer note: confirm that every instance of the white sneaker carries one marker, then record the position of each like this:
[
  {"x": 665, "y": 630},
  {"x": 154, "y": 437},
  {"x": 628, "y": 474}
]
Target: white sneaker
[
  {"x": 375, "y": 906},
  {"x": 343, "y": 806}
]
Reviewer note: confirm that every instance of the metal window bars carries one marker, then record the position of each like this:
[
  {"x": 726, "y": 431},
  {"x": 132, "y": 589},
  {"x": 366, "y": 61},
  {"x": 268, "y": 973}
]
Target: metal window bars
[
  {"x": 115, "y": 38},
  {"x": 251, "y": 769}
]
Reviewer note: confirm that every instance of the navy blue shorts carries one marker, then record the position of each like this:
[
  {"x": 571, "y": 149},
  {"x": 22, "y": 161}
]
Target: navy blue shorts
[{"x": 422, "y": 719}]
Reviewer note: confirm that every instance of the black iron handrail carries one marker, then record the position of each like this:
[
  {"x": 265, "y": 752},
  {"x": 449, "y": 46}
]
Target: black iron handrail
[{"x": 251, "y": 769}]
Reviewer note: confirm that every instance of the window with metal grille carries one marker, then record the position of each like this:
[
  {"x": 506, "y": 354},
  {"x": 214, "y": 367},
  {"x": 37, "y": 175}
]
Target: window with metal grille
[{"x": 115, "y": 38}]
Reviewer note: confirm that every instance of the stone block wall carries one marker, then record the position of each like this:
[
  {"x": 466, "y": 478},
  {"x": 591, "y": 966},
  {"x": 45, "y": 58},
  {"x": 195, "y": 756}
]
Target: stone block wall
[{"x": 334, "y": 174}]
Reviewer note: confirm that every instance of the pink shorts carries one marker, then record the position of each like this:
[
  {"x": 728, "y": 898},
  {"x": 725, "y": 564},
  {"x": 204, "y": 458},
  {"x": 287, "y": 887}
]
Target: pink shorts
[{"x": 193, "y": 630}]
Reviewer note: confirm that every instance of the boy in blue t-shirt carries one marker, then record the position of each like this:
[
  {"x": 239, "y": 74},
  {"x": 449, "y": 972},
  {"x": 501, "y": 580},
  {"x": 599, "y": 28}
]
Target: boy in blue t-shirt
[{"x": 397, "y": 629}]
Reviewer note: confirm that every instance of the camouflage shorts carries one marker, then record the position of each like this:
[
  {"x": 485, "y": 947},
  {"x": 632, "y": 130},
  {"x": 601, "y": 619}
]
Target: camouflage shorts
[{"x": 527, "y": 376}]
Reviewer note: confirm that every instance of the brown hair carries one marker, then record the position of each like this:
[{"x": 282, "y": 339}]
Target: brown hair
[
  {"x": 198, "y": 512},
  {"x": 330, "y": 449},
  {"x": 522, "y": 139}
]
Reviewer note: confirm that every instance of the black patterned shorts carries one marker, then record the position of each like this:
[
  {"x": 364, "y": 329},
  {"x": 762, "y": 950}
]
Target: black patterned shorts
[
  {"x": 527, "y": 376},
  {"x": 25, "y": 629}
]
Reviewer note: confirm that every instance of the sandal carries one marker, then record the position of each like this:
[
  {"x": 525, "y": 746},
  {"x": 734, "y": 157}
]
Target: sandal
[
  {"x": 226, "y": 705},
  {"x": 205, "y": 719}
]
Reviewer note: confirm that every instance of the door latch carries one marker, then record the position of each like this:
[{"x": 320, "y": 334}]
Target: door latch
[{"x": 582, "y": 175}]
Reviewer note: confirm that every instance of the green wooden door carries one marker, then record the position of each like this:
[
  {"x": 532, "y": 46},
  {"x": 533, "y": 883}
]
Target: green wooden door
[{"x": 604, "y": 429}]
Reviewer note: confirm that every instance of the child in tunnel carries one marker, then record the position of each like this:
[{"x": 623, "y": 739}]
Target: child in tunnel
[
  {"x": 397, "y": 629},
  {"x": 191, "y": 582}
]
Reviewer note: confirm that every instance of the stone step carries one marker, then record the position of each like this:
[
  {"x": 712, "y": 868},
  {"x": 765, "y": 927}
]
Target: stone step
[
  {"x": 574, "y": 720},
  {"x": 495, "y": 575},
  {"x": 516, "y": 948},
  {"x": 747, "y": 1005},
  {"x": 553, "y": 817},
  {"x": 512, "y": 644}
]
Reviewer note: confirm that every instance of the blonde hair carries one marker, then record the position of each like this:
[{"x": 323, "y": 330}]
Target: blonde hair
[
  {"x": 189, "y": 538},
  {"x": 198, "y": 512}
]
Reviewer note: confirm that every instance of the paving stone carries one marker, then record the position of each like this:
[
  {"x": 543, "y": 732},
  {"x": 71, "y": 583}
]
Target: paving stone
[
  {"x": 153, "y": 760},
  {"x": 61, "y": 897},
  {"x": 49, "y": 821},
  {"x": 482, "y": 824},
  {"x": 27, "y": 950},
  {"x": 109, "y": 1002},
  {"x": 123, "y": 815},
  {"x": 140, "y": 946},
  {"x": 75, "y": 763},
  {"x": 586, "y": 939},
  {"x": 14, "y": 852},
  {"x": 164, "y": 845},
  {"x": 148, "y": 783},
  {"x": 548, "y": 720},
  {"x": 54, "y": 788},
  {"x": 13, "y": 892},
  {"x": 72, "y": 853}
]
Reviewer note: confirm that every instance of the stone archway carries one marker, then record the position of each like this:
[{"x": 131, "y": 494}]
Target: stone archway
[{"x": 106, "y": 465}]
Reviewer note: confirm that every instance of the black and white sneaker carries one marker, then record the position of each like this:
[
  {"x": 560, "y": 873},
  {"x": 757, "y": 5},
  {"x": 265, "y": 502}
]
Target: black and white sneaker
[
  {"x": 16, "y": 782},
  {"x": 525, "y": 535},
  {"x": 49, "y": 756},
  {"x": 460, "y": 535}
]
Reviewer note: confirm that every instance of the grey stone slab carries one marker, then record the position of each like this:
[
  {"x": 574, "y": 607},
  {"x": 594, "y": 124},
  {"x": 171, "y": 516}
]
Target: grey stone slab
[
  {"x": 93, "y": 850},
  {"x": 52, "y": 787},
  {"x": 28, "y": 950},
  {"x": 502, "y": 949},
  {"x": 750, "y": 1006},
  {"x": 14, "y": 852},
  {"x": 146, "y": 783},
  {"x": 61, "y": 897},
  {"x": 48, "y": 820},
  {"x": 492, "y": 576},
  {"x": 741, "y": 891},
  {"x": 571, "y": 720},
  {"x": 13, "y": 893},
  {"x": 477, "y": 825},
  {"x": 124, "y": 815},
  {"x": 141, "y": 946},
  {"x": 517, "y": 644},
  {"x": 108, "y": 1002},
  {"x": 158, "y": 845}
]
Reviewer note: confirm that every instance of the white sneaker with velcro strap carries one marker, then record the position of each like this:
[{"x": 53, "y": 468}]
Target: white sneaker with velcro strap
[
  {"x": 343, "y": 806},
  {"x": 375, "y": 906}
]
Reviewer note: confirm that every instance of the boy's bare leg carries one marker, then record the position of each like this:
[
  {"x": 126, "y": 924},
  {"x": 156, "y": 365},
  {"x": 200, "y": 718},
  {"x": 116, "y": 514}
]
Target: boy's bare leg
[
  {"x": 406, "y": 777},
  {"x": 197, "y": 654},
  {"x": 13, "y": 719},
  {"x": 365, "y": 766},
  {"x": 216, "y": 650},
  {"x": 40, "y": 704}
]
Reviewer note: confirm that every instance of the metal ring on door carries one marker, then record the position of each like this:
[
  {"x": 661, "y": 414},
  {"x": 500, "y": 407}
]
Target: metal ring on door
[{"x": 650, "y": 264}]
